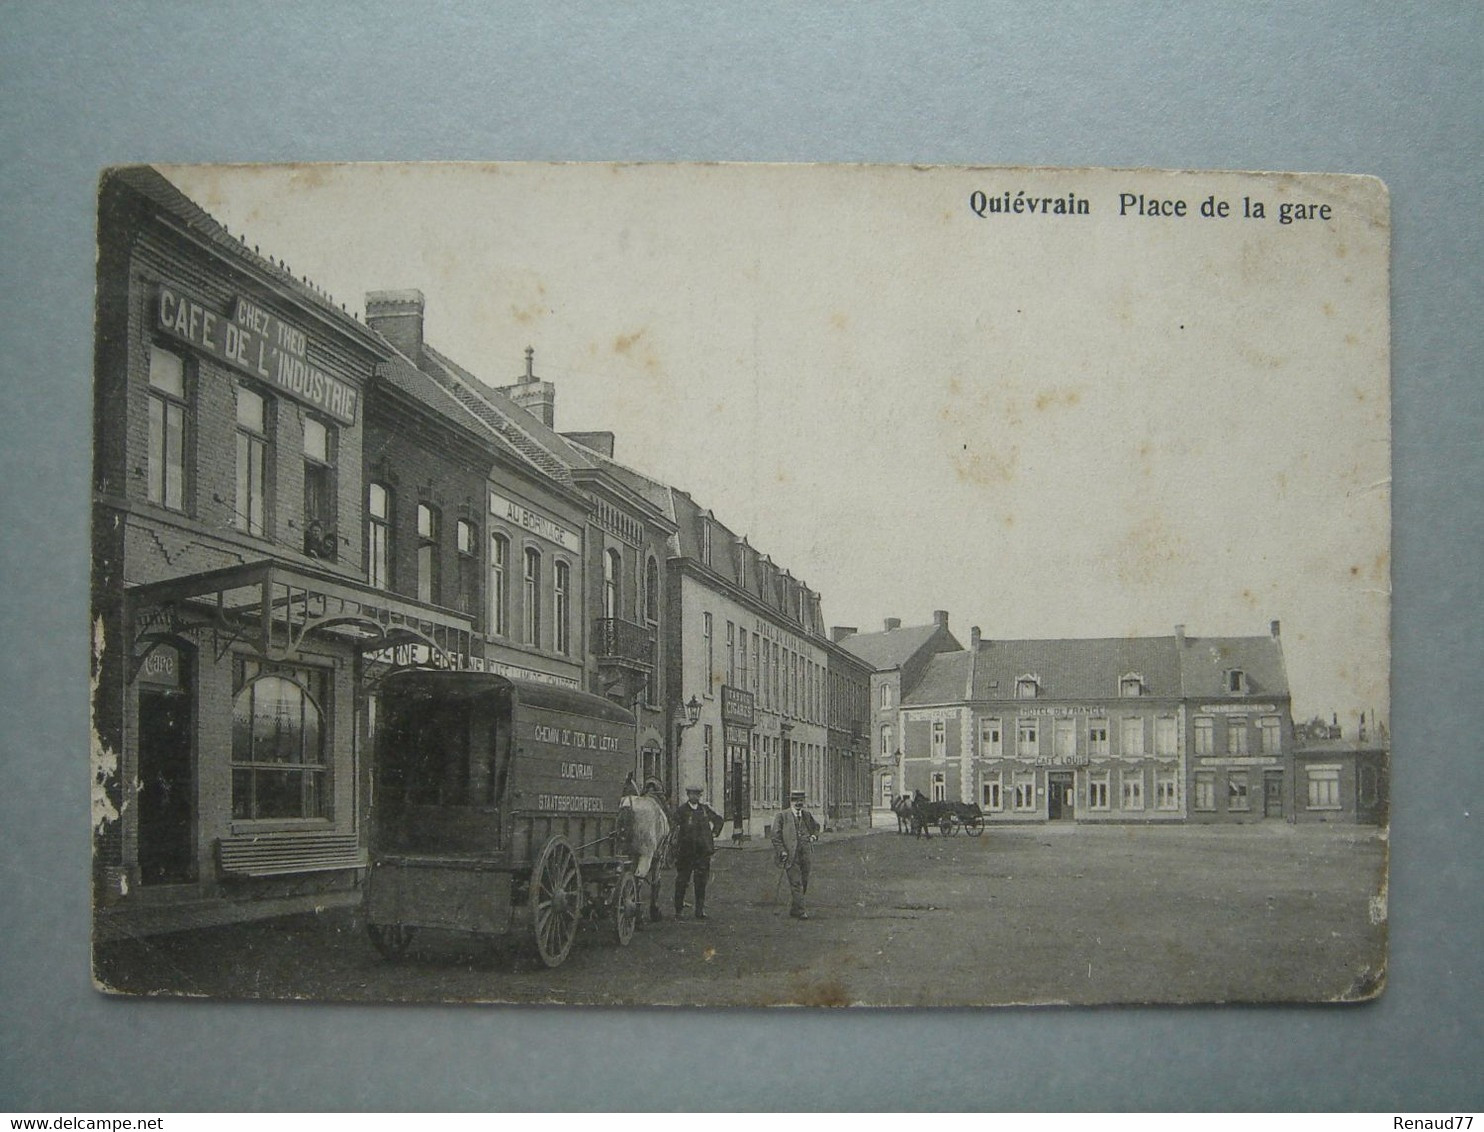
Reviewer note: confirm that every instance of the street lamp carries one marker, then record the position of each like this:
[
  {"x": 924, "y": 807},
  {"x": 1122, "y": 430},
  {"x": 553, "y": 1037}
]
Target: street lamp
[{"x": 692, "y": 717}]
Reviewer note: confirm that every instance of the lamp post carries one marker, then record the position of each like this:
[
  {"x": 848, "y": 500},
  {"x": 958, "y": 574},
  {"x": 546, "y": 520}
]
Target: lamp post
[{"x": 692, "y": 717}]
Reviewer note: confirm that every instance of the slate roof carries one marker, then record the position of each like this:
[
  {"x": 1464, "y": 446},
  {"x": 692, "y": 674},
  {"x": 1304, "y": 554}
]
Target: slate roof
[
  {"x": 499, "y": 414},
  {"x": 399, "y": 371},
  {"x": 764, "y": 579},
  {"x": 1093, "y": 668},
  {"x": 892, "y": 648},
  {"x": 657, "y": 495},
  {"x": 1205, "y": 660},
  {"x": 943, "y": 680},
  {"x": 1089, "y": 668},
  {"x": 149, "y": 183}
]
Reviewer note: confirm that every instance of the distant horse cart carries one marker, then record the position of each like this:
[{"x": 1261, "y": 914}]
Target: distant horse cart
[
  {"x": 949, "y": 817},
  {"x": 964, "y": 816},
  {"x": 496, "y": 808}
]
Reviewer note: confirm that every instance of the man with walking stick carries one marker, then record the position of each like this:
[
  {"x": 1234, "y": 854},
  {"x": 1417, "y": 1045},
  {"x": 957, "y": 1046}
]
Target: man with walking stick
[{"x": 794, "y": 831}]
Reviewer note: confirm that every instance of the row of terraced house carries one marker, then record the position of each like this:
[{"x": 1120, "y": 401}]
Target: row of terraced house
[
  {"x": 1175, "y": 728},
  {"x": 291, "y": 501}
]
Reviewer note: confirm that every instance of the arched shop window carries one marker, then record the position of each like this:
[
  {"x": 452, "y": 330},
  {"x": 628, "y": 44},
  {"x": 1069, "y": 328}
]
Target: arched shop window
[{"x": 278, "y": 737}]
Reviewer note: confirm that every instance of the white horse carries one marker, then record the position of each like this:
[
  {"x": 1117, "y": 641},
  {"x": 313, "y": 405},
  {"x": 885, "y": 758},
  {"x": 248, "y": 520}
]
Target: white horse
[{"x": 649, "y": 843}]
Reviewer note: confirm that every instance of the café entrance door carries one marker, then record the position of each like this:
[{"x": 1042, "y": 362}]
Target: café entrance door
[
  {"x": 1060, "y": 794},
  {"x": 166, "y": 787},
  {"x": 1272, "y": 795}
]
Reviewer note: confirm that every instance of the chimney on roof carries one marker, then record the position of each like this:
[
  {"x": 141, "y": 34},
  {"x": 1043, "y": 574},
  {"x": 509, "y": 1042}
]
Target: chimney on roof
[
  {"x": 839, "y": 632},
  {"x": 398, "y": 317},
  {"x": 940, "y": 617},
  {"x": 1180, "y": 635},
  {"x": 893, "y": 623},
  {"x": 599, "y": 442},
  {"x": 971, "y": 677},
  {"x": 1274, "y": 627},
  {"x": 530, "y": 393}
]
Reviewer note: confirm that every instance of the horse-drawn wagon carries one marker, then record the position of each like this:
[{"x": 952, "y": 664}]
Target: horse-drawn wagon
[
  {"x": 949, "y": 817},
  {"x": 961, "y": 815},
  {"x": 496, "y": 808}
]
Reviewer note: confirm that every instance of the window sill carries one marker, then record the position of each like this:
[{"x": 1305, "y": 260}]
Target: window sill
[
  {"x": 259, "y": 546},
  {"x": 244, "y": 826}
]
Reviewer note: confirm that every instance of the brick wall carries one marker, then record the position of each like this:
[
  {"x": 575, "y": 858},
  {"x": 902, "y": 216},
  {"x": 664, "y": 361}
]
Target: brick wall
[{"x": 421, "y": 463}]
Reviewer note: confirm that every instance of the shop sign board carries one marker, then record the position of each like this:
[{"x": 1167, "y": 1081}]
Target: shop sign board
[
  {"x": 517, "y": 672},
  {"x": 418, "y": 655},
  {"x": 736, "y": 706},
  {"x": 257, "y": 343},
  {"x": 1237, "y": 760},
  {"x": 518, "y": 514},
  {"x": 1060, "y": 760},
  {"x": 161, "y": 667}
]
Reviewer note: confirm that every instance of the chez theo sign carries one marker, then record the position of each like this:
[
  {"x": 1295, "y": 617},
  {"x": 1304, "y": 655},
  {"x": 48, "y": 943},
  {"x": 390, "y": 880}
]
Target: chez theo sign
[{"x": 258, "y": 343}]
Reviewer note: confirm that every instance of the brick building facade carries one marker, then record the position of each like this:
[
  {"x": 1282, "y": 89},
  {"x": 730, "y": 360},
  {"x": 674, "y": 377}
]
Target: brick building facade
[
  {"x": 896, "y": 658},
  {"x": 232, "y": 611},
  {"x": 1140, "y": 729},
  {"x": 748, "y": 643}
]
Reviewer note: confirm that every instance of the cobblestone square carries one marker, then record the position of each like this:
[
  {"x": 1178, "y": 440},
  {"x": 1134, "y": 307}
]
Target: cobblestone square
[{"x": 1025, "y": 915}]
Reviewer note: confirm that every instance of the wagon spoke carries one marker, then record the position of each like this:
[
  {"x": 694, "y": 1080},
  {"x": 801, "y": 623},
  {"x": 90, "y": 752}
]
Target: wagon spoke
[{"x": 556, "y": 901}]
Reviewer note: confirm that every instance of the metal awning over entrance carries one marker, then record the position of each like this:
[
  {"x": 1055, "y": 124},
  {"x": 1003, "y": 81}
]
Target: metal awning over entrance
[{"x": 272, "y": 607}]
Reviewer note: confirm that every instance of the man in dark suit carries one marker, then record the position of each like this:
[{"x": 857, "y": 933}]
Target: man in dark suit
[
  {"x": 696, "y": 827},
  {"x": 794, "y": 831}
]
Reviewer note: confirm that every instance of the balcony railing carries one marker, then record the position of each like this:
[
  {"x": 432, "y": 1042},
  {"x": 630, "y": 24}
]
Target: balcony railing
[{"x": 622, "y": 642}]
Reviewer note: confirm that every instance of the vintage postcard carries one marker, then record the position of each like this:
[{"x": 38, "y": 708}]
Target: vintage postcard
[{"x": 738, "y": 585}]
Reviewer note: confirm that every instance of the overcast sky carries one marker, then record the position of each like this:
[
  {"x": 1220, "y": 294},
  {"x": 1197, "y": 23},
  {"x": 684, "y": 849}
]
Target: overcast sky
[{"x": 1051, "y": 426}]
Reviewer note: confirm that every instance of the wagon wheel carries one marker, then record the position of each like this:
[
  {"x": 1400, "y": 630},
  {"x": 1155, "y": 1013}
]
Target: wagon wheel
[
  {"x": 626, "y": 909},
  {"x": 975, "y": 824},
  {"x": 948, "y": 824},
  {"x": 392, "y": 940},
  {"x": 556, "y": 901}
]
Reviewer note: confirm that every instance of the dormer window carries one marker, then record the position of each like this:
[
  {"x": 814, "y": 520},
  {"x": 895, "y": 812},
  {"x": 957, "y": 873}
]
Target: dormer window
[
  {"x": 706, "y": 541},
  {"x": 1131, "y": 685},
  {"x": 1236, "y": 681},
  {"x": 1027, "y": 687}
]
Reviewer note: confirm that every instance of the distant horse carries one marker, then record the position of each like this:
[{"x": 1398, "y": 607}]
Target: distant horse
[
  {"x": 902, "y": 807},
  {"x": 649, "y": 842}
]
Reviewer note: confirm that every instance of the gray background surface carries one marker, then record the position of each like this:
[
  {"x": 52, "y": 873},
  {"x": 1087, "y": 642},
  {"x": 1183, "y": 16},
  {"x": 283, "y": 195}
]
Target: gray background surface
[{"x": 1396, "y": 92}]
